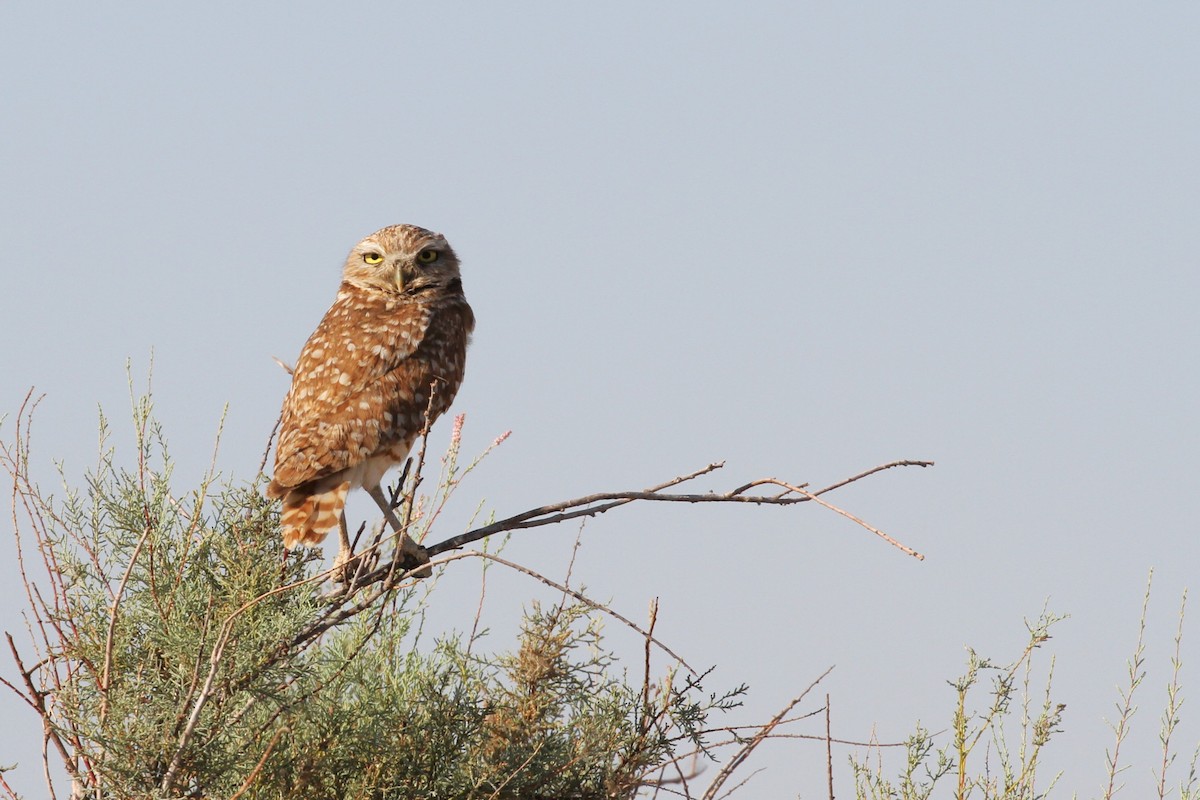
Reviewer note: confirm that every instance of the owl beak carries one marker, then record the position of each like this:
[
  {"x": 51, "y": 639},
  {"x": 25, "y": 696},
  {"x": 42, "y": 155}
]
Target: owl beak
[{"x": 399, "y": 278}]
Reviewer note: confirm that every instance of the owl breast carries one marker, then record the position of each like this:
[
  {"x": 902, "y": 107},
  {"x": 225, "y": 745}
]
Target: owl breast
[{"x": 365, "y": 381}]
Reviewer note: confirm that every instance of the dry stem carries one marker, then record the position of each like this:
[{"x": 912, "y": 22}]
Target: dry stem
[{"x": 594, "y": 504}]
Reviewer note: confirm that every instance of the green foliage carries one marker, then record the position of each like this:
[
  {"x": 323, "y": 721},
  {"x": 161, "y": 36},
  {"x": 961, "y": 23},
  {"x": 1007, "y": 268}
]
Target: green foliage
[
  {"x": 1005, "y": 769},
  {"x": 182, "y": 653},
  {"x": 179, "y": 651},
  {"x": 983, "y": 760}
]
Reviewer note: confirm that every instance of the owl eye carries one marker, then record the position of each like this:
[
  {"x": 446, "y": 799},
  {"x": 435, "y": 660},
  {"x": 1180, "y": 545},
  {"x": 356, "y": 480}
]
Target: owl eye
[
  {"x": 372, "y": 258},
  {"x": 428, "y": 256}
]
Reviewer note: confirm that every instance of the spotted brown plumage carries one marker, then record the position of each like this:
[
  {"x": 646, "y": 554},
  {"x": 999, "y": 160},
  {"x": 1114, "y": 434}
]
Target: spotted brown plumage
[{"x": 361, "y": 386}]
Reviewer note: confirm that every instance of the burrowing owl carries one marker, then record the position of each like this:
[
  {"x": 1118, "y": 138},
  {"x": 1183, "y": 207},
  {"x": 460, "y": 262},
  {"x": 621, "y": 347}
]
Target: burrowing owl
[{"x": 398, "y": 330}]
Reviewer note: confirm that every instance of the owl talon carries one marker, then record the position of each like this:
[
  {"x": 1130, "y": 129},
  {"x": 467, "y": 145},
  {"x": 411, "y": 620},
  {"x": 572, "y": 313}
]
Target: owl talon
[
  {"x": 413, "y": 557},
  {"x": 349, "y": 567}
]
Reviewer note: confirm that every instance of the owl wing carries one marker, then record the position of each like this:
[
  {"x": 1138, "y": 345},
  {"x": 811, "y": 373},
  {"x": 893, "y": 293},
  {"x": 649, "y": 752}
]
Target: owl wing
[{"x": 347, "y": 381}]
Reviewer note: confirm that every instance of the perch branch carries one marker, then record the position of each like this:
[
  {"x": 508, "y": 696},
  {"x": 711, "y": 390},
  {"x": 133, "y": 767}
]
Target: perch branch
[{"x": 595, "y": 504}]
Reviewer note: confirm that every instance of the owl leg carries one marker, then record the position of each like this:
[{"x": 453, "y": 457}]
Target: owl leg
[
  {"x": 345, "y": 549},
  {"x": 345, "y": 565},
  {"x": 414, "y": 554},
  {"x": 348, "y": 567}
]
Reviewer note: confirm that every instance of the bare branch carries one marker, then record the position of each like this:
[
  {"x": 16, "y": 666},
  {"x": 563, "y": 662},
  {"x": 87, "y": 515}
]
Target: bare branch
[
  {"x": 849, "y": 516},
  {"x": 50, "y": 735},
  {"x": 262, "y": 465},
  {"x": 595, "y": 504},
  {"x": 258, "y": 767},
  {"x": 828, "y": 747},
  {"x": 758, "y": 738}
]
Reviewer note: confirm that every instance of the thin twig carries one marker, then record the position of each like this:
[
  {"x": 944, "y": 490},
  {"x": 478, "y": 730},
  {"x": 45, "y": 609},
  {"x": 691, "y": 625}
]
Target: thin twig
[
  {"x": 479, "y": 608},
  {"x": 518, "y": 770},
  {"x": 828, "y": 747},
  {"x": 849, "y": 516},
  {"x": 106, "y": 672},
  {"x": 763, "y": 733},
  {"x": 646, "y": 671},
  {"x": 1171, "y": 714},
  {"x": 8, "y": 790},
  {"x": 567, "y": 590},
  {"x": 741, "y": 783},
  {"x": 49, "y": 733},
  {"x": 1136, "y": 673},
  {"x": 262, "y": 465},
  {"x": 257, "y": 767}
]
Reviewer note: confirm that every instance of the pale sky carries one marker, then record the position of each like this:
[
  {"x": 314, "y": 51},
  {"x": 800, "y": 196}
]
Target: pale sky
[{"x": 802, "y": 238}]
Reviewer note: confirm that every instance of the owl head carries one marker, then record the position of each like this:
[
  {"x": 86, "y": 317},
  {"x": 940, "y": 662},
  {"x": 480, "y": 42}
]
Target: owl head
[{"x": 402, "y": 259}]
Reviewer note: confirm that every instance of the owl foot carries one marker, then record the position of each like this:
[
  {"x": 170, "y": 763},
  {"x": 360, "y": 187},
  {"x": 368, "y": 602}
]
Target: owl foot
[
  {"x": 412, "y": 557},
  {"x": 348, "y": 567}
]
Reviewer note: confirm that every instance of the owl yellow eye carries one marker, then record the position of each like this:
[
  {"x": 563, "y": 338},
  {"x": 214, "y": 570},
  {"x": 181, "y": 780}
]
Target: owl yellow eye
[
  {"x": 428, "y": 256},
  {"x": 372, "y": 258}
]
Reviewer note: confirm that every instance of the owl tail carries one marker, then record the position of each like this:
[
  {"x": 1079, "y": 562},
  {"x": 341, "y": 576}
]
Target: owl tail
[{"x": 311, "y": 512}]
